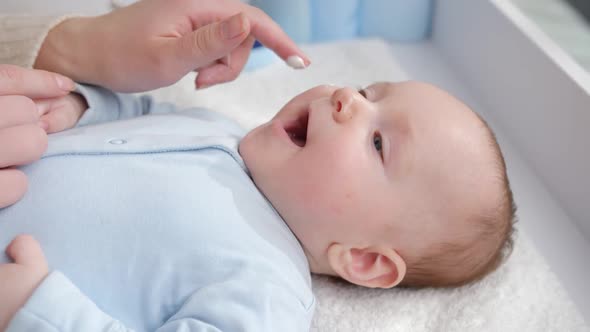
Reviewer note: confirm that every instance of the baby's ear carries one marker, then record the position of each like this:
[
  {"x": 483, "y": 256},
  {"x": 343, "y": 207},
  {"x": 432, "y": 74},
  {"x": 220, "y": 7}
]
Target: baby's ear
[{"x": 374, "y": 267}]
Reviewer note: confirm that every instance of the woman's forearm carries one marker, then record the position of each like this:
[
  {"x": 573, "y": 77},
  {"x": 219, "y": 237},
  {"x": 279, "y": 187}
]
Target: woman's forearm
[{"x": 70, "y": 49}]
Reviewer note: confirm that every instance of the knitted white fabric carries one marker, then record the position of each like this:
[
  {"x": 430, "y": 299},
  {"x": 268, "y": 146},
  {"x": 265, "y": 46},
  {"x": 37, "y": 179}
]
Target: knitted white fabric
[{"x": 21, "y": 37}]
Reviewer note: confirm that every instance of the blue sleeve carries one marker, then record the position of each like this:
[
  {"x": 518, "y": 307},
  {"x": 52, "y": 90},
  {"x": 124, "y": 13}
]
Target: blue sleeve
[
  {"x": 58, "y": 305},
  {"x": 105, "y": 105},
  {"x": 234, "y": 306}
]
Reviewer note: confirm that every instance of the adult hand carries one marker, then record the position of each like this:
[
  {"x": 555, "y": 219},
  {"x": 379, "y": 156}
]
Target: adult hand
[
  {"x": 22, "y": 135},
  {"x": 154, "y": 43},
  {"x": 19, "y": 280}
]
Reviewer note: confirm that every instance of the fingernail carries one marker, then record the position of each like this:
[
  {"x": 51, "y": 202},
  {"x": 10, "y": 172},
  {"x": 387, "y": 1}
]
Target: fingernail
[
  {"x": 296, "y": 62},
  {"x": 233, "y": 27},
  {"x": 64, "y": 83}
]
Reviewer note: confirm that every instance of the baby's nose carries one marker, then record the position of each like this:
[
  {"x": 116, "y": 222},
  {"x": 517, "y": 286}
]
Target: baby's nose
[{"x": 342, "y": 103}]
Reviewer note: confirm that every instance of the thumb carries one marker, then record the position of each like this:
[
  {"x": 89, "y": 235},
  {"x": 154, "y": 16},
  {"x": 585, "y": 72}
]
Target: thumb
[
  {"x": 213, "y": 41},
  {"x": 25, "y": 250}
]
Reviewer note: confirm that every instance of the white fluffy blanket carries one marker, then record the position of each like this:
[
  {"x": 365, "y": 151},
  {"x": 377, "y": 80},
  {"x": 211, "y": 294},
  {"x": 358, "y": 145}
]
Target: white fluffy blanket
[{"x": 523, "y": 295}]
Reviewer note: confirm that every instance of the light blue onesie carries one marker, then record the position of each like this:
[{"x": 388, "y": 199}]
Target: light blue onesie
[{"x": 152, "y": 224}]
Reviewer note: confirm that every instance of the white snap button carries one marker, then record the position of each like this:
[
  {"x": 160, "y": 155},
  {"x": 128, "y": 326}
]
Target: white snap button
[{"x": 117, "y": 141}]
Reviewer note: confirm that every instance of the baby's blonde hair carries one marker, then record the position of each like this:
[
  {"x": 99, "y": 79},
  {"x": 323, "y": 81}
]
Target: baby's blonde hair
[{"x": 452, "y": 264}]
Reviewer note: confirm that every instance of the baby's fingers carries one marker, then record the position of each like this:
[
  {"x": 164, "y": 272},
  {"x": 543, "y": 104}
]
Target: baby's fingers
[
  {"x": 61, "y": 113},
  {"x": 25, "y": 250},
  {"x": 58, "y": 121}
]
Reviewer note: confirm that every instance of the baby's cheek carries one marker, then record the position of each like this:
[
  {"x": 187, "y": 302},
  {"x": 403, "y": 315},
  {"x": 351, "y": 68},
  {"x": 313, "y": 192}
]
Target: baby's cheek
[
  {"x": 326, "y": 200},
  {"x": 327, "y": 183}
]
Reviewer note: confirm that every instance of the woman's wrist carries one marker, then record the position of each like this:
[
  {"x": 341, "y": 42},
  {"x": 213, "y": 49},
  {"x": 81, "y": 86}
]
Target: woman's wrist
[{"x": 65, "y": 50}]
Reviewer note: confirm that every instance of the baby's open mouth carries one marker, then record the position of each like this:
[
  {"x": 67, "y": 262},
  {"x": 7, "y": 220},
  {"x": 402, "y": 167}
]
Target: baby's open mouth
[{"x": 297, "y": 130}]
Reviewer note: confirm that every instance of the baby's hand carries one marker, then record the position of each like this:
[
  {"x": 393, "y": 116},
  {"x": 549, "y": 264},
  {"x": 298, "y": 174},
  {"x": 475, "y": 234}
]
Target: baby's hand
[
  {"x": 61, "y": 113},
  {"x": 18, "y": 280}
]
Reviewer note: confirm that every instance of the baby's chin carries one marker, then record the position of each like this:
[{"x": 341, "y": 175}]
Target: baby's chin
[
  {"x": 246, "y": 148},
  {"x": 256, "y": 151}
]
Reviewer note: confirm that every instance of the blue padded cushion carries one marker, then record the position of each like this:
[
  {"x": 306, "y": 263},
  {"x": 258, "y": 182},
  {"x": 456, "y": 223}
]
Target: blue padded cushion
[{"x": 308, "y": 21}]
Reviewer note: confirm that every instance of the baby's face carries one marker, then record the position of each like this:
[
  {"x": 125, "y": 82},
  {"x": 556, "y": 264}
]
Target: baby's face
[{"x": 392, "y": 164}]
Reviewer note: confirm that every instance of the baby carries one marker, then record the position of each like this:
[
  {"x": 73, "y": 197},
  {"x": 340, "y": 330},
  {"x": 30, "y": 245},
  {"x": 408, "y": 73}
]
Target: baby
[
  {"x": 393, "y": 184},
  {"x": 157, "y": 222}
]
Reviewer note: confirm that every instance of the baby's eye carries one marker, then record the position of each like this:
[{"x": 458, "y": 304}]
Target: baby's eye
[{"x": 378, "y": 143}]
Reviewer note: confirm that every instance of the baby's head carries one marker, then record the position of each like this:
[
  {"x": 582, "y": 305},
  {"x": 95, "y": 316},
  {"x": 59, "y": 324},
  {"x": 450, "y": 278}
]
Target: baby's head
[{"x": 395, "y": 184}]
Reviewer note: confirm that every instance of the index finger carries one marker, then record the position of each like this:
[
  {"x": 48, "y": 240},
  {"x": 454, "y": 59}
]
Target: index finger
[
  {"x": 33, "y": 83},
  {"x": 271, "y": 35}
]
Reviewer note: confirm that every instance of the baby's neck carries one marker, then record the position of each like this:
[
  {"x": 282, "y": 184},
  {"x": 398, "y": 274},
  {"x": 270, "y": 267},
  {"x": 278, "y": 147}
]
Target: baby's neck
[{"x": 317, "y": 264}]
